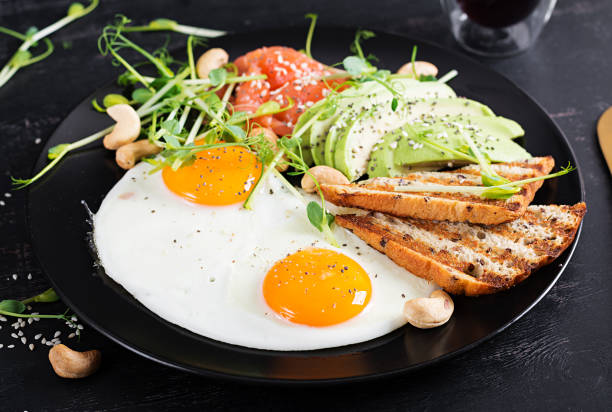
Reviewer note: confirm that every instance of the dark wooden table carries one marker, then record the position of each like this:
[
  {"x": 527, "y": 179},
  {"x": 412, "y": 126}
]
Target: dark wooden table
[{"x": 556, "y": 357}]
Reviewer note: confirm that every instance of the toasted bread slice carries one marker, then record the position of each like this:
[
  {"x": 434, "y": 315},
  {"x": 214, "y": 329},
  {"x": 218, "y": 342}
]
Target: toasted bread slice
[
  {"x": 378, "y": 194},
  {"x": 471, "y": 259}
]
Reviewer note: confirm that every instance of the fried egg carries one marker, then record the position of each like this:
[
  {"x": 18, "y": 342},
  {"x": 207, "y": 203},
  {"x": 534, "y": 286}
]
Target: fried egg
[{"x": 182, "y": 244}]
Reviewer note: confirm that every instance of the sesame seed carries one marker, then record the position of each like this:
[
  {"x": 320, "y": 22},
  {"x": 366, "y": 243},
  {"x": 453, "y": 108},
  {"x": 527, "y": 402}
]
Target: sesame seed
[
  {"x": 24, "y": 340},
  {"x": 29, "y": 276},
  {"x": 20, "y": 333},
  {"x": 48, "y": 343},
  {"x": 36, "y": 337},
  {"x": 31, "y": 346},
  {"x": 72, "y": 335},
  {"x": 2, "y": 319},
  {"x": 57, "y": 333},
  {"x": 15, "y": 276},
  {"x": 10, "y": 346},
  {"x": 1, "y": 345},
  {"x": 43, "y": 341},
  {"x": 14, "y": 335},
  {"x": 37, "y": 140}
]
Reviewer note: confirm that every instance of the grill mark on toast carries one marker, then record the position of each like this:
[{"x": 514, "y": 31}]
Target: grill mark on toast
[
  {"x": 443, "y": 251},
  {"x": 452, "y": 249}
]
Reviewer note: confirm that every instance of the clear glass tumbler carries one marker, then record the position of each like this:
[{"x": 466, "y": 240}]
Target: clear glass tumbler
[{"x": 497, "y": 28}]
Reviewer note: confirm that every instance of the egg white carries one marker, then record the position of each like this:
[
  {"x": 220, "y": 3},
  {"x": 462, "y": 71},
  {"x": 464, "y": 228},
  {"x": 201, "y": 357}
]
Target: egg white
[{"x": 202, "y": 267}]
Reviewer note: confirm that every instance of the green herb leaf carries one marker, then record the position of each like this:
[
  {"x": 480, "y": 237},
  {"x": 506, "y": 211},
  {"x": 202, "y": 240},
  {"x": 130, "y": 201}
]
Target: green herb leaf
[
  {"x": 290, "y": 143},
  {"x": 21, "y": 58},
  {"x": 394, "y": 104},
  {"x": 269, "y": 107},
  {"x": 238, "y": 117},
  {"x": 171, "y": 126},
  {"x": 315, "y": 215},
  {"x": 141, "y": 95},
  {"x": 217, "y": 76},
  {"x": 13, "y": 306},
  {"x": 213, "y": 101},
  {"x": 237, "y": 131},
  {"x": 493, "y": 180},
  {"x": 500, "y": 192},
  {"x": 31, "y": 32},
  {"x": 427, "y": 78},
  {"x": 356, "y": 45},
  {"x": 76, "y": 9},
  {"x": 55, "y": 151},
  {"x": 47, "y": 296},
  {"x": 113, "y": 99},
  {"x": 163, "y": 24},
  {"x": 354, "y": 65},
  {"x": 97, "y": 107}
]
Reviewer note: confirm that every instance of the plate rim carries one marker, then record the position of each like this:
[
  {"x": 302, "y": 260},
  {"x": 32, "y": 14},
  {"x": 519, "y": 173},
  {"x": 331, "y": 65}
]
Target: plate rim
[{"x": 230, "y": 377}]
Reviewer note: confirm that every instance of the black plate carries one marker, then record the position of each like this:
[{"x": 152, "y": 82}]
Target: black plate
[{"x": 58, "y": 226}]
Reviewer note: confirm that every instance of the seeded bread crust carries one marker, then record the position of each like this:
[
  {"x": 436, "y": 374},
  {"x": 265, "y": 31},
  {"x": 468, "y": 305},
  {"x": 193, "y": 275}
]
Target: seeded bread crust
[
  {"x": 378, "y": 194},
  {"x": 469, "y": 259}
]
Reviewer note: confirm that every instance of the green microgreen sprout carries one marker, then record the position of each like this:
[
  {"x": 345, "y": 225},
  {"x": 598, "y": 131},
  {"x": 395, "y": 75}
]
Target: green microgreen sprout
[
  {"x": 311, "y": 28},
  {"x": 23, "y": 57},
  {"x": 489, "y": 176},
  {"x": 413, "y": 60},
  {"x": 472, "y": 154},
  {"x": 172, "y": 25},
  {"x": 503, "y": 191},
  {"x": 317, "y": 214},
  {"x": 112, "y": 40},
  {"x": 16, "y": 308}
]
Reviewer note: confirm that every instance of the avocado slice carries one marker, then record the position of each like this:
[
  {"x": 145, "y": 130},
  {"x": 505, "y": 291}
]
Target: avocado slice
[
  {"x": 353, "y": 150},
  {"x": 336, "y": 132},
  {"x": 350, "y": 103},
  {"x": 357, "y": 100},
  {"x": 381, "y": 161},
  {"x": 492, "y": 135},
  {"x": 302, "y": 120}
]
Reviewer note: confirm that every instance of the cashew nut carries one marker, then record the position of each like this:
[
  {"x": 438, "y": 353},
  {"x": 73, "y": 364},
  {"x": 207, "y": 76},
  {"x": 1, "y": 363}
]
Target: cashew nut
[
  {"x": 68, "y": 363},
  {"x": 272, "y": 138},
  {"x": 422, "y": 69},
  {"x": 210, "y": 60},
  {"x": 127, "y": 128},
  {"x": 324, "y": 175},
  {"x": 128, "y": 154},
  {"x": 429, "y": 312}
]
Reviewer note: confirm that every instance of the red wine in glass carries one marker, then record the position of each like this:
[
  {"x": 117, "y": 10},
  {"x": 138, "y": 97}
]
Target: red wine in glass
[{"x": 497, "y": 13}]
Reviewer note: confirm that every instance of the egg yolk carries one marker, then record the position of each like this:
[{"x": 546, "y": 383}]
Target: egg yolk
[
  {"x": 317, "y": 287},
  {"x": 219, "y": 176}
]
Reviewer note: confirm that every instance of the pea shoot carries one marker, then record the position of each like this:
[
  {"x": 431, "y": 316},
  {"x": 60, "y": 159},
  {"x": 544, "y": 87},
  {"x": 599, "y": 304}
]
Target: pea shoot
[
  {"x": 165, "y": 101},
  {"x": 317, "y": 214},
  {"x": 16, "y": 308},
  {"x": 23, "y": 57},
  {"x": 499, "y": 192},
  {"x": 172, "y": 25}
]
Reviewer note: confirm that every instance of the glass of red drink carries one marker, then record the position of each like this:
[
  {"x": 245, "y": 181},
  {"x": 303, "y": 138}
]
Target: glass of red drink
[{"x": 497, "y": 27}]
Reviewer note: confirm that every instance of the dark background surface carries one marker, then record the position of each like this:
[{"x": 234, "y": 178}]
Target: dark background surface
[{"x": 556, "y": 357}]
